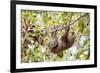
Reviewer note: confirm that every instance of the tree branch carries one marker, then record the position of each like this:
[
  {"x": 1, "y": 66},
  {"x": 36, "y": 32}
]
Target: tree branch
[{"x": 61, "y": 27}]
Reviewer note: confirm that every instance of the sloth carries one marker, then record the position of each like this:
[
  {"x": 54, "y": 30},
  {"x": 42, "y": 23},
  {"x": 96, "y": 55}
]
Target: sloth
[{"x": 65, "y": 42}]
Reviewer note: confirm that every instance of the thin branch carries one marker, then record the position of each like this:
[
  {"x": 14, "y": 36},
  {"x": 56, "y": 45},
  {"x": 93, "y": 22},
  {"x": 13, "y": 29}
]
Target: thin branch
[{"x": 58, "y": 28}]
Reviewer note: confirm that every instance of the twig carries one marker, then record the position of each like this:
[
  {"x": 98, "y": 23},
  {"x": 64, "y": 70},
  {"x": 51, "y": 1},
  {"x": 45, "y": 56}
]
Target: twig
[{"x": 61, "y": 28}]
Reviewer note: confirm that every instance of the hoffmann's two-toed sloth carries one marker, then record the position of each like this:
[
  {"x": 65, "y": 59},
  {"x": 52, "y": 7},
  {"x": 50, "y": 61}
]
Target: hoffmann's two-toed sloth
[{"x": 65, "y": 42}]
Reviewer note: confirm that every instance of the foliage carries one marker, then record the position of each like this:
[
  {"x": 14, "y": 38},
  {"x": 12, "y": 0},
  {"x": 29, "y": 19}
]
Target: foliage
[{"x": 34, "y": 39}]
